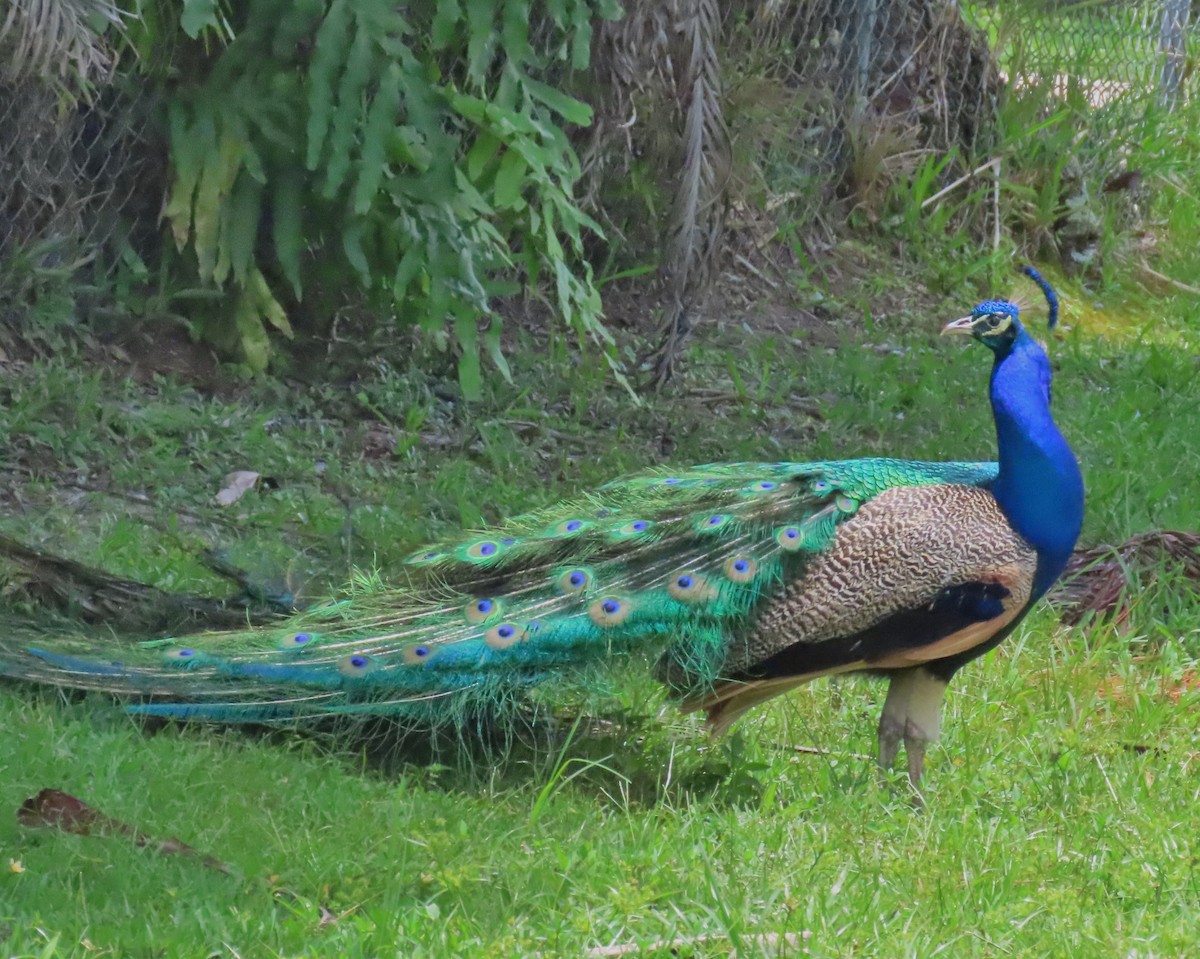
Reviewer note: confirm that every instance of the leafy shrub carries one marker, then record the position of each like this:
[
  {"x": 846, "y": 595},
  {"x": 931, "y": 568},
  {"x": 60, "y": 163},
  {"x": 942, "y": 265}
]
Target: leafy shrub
[{"x": 409, "y": 150}]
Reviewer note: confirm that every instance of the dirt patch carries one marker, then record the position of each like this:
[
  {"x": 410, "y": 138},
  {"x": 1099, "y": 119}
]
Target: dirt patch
[{"x": 152, "y": 349}]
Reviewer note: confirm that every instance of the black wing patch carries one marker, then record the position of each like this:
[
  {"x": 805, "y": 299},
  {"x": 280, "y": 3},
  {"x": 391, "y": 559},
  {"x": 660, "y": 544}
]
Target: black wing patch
[{"x": 953, "y": 609}]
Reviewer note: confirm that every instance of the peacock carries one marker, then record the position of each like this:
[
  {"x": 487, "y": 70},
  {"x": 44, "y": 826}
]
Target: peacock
[{"x": 741, "y": 580}]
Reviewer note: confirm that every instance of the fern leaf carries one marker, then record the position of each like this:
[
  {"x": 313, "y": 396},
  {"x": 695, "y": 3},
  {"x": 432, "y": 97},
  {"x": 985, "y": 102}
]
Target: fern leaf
[
  {"x": 466, "y": 332},
  {"x": 347, "y": 116},
  {"x": 269, "y": 307},
  {"x": 510, "y": 178},
  {"x": 245, "y": 208},
  {"x": 198, "y": 16},
  {"x": 482, "y": 152},
  {"x": 567, "y": 107},
  {"x": 251, "y": 333},
  {"x": 515, "y": 19},
  {"x": 330, "y": 48},
  {"x": 352, "y": 245},
  {"x": 190, "y": 144},
  {"x": 295, "y": 23},
  {"x": 220, "y": 170},
  {"x": 381, "y": 121},
  {"x": 287, "y": 225},
  {"x": 481, "y": 39},
  {"x": 445, "y": 23},
  {"x": 255, "y": 308},
  {"x": 581, "y": 35},
  {"x": 412, "y": 260},
  {"x": 491, "y": 343}
]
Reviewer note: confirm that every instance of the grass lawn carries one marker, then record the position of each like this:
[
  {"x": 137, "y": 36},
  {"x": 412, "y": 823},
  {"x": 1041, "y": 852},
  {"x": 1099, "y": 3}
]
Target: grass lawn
[{"x": 1062, "y": 798}]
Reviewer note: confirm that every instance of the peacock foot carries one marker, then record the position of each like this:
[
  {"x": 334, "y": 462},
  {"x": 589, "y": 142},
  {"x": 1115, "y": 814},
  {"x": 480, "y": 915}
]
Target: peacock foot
[{"x": 912, "y": 715}]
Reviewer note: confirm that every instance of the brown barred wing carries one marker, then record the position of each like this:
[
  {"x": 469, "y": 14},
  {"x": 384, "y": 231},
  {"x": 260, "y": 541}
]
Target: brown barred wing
[{"x": 919, "y": 574}]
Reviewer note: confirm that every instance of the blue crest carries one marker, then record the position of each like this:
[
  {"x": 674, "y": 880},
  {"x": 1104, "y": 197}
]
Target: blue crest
[{"x": 988, "y": 307}]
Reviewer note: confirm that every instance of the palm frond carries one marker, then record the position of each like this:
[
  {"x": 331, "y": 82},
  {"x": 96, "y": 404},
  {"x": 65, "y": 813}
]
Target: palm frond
[
  {"x": 57, "y": 38},
  {"x": 1107, "y": 580},
  {"x": 698, "y": 205}
]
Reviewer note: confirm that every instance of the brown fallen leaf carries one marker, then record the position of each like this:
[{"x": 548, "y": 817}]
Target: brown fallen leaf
[
  {"x": 1116, "y": 690},
  {"x": 1188, "y": 683},
  {"x": 237, "y": 485},
  {"x": 378, "y": 441},
  {"x": 55, "y": 809}
]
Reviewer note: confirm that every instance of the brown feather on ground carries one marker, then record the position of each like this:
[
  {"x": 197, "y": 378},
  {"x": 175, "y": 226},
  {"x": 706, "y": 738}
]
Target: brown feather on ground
[{"x": 1100, "y": 580}]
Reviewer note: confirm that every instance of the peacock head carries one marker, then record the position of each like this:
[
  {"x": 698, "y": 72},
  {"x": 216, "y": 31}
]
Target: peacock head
[{"x": 995, "y": 323}]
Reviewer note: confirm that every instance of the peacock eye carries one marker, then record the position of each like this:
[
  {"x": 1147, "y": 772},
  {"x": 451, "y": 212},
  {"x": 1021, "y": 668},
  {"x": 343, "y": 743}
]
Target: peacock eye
[{"x": 994, "y": 320}]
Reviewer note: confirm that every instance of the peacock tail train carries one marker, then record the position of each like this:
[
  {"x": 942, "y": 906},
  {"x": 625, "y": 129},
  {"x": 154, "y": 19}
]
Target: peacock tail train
[{"x": 674, "y": 561}]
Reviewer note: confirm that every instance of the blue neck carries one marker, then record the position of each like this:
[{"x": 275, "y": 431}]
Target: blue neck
[{"x": 1039, "y": 486}]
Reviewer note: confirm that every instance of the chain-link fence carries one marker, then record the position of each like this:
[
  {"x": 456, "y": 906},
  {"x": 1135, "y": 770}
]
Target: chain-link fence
[
  {"x": 874, "y": 82},
  {"x": 1096, "y": 54},
  {"x": 82, "y": 179},
  {"x": 875, "y": 79}
]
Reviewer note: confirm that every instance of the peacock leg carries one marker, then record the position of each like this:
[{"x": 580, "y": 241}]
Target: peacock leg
[
  {"x": 895, "y": 712},
  {"x": 912, "y": 712}
]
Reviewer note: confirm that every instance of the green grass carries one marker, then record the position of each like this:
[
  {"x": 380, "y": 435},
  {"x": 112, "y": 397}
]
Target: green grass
[{"x": 1061, "y": 798}]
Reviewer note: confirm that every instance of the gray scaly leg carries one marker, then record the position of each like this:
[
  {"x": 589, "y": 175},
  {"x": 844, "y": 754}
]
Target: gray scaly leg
[{"x": 912, "y": 712}]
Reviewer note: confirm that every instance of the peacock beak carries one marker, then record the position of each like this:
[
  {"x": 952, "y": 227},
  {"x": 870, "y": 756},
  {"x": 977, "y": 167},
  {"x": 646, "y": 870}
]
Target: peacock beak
[{"x": 965, "y": 325}]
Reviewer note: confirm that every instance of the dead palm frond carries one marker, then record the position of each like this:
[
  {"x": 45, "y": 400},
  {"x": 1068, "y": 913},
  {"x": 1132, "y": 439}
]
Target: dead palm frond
[
  {"x": 57, "y": 39},
  {"x": 664, "y": 53},
  {"x": 1105, "y": 580},
  {"x": 698, "y": 204}
]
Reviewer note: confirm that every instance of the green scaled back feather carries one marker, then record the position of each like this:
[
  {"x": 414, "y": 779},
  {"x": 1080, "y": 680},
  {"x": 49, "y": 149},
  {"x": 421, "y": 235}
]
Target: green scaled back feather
[{"x": 656, "y": 561}]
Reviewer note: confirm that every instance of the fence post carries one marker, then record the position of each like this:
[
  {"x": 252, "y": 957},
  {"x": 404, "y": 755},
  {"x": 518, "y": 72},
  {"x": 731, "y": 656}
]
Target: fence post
[
  {"x": 866, "y": 12},
  {"x": 1171, "y": 33}
]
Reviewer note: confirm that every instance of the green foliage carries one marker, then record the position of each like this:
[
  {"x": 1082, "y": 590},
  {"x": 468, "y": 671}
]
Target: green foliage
[
  {"x": 941, "y": 230},
  {"x": 1094, "y": 157},
  {"x": 35, "y": 286},
  {"x": 413, "y": 154}
]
